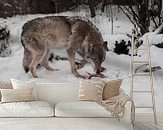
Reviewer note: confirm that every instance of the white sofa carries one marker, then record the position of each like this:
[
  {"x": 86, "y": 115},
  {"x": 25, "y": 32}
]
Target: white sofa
[{"x": 63, "y": 113}]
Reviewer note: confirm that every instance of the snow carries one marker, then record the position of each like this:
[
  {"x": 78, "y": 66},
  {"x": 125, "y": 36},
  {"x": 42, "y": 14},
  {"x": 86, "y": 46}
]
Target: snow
[
  {"x": 154, "y": 37},
  {"x": 118, "y": 66}
]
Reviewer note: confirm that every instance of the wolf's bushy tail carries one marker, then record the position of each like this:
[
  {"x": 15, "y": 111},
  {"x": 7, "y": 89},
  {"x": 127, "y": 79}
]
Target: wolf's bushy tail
[
  {"x": 27, "y": 57},
  {"x": 26, "y": 60}
]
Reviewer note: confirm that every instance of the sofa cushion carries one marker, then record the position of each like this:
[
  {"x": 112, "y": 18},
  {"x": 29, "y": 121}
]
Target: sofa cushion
[
  {"x": 80, "y": 109},
  {"x": 57, "y": 92},
  {"x": 26, "y": 109},
  {"x": 91, "y": 90},
  {"x": 111, "y": 89},
  {"x": 17, "y": 84},
  {"x": 5, "y": 85},
  {"x": 16, "y": 95}
]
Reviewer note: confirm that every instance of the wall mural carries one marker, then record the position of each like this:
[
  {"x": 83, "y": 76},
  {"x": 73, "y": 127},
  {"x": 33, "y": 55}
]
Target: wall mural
[{"x": 84, "y": 39}]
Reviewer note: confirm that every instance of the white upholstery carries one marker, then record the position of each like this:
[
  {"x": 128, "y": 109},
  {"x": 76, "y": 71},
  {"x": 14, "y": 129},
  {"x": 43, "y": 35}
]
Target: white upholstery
[
  {"x": 57, "y": 92},
  {"x": 54, "y": 93},
  {"x": 23, "y": 85},
  {"x": 65, "y": 93},
  {"x": 26, "y": 109},
  {"x": 80, "y": 109},
  {"x": 63, "y": 124}
]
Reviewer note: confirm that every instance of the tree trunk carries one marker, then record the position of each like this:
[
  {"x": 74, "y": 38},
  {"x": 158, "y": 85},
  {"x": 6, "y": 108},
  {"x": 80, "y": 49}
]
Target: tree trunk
[
  {"x": 143, "y": 17},
  {"x": 92, "y": 8},
  {"x": 103, "y": 5}
]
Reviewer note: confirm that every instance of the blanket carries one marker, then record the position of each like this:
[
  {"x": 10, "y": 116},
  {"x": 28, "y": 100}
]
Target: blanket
[{"x": 116, "y": 105}]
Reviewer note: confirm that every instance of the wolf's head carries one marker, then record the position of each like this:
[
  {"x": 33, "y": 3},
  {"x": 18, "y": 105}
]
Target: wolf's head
[{"x": 96, "y": 55}]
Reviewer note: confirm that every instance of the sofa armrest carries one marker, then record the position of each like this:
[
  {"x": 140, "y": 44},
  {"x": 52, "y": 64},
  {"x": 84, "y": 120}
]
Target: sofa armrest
[
  {"x": 127, "y": 116},
  {"x": 127, "y": 113}
]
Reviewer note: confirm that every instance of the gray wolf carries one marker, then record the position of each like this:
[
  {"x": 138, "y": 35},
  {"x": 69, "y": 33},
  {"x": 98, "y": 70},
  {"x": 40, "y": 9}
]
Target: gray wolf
[{"x": 74, "y": 34}]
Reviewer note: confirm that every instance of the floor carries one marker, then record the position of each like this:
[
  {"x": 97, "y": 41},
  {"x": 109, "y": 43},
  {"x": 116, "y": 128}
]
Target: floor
[
  {"x": 148, "y": 126},
  {"x": 73, "y": 124}
]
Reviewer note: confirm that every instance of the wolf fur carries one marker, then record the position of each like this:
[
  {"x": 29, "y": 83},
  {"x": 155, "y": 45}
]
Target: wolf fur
[{"x": 75, "y": 34}]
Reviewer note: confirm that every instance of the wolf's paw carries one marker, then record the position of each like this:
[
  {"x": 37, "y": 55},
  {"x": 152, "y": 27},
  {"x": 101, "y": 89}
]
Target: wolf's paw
[
  {"x": 79, "y": 76},
  {"x": 55, "y": 69},
  {"x": 99, "y": 75},
  {"x": 82, "y": 77},
  {"x": 51, "y": 69},
  {"x": 35, "y": 76}
]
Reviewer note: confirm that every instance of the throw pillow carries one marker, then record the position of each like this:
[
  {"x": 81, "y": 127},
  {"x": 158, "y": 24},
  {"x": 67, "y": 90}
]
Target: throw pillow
[
  {"x": 16, "y": 95},
  {"x": 17, "y": 84},
  {"x": 5, "y": 85},
  {"x": 91, "y": 90},
  {"x": 111, "y": 89}
]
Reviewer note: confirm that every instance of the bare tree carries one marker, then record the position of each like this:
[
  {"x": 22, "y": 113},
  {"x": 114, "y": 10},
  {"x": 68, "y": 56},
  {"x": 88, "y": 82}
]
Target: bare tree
[
  {"x": 140, "y": 14},
  {"x": 155, "y": 12},
  {"x": 92, "y": 7},
  {"x": 103, "y": 5}
]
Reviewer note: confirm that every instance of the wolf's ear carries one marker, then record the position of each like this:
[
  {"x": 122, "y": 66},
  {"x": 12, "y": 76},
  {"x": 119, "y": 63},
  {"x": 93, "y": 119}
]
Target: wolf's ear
[{"x": 105, "y": 46}]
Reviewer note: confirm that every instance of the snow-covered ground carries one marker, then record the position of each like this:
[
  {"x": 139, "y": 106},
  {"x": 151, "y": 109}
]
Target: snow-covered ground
[{"x": 118, "y": 66}]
